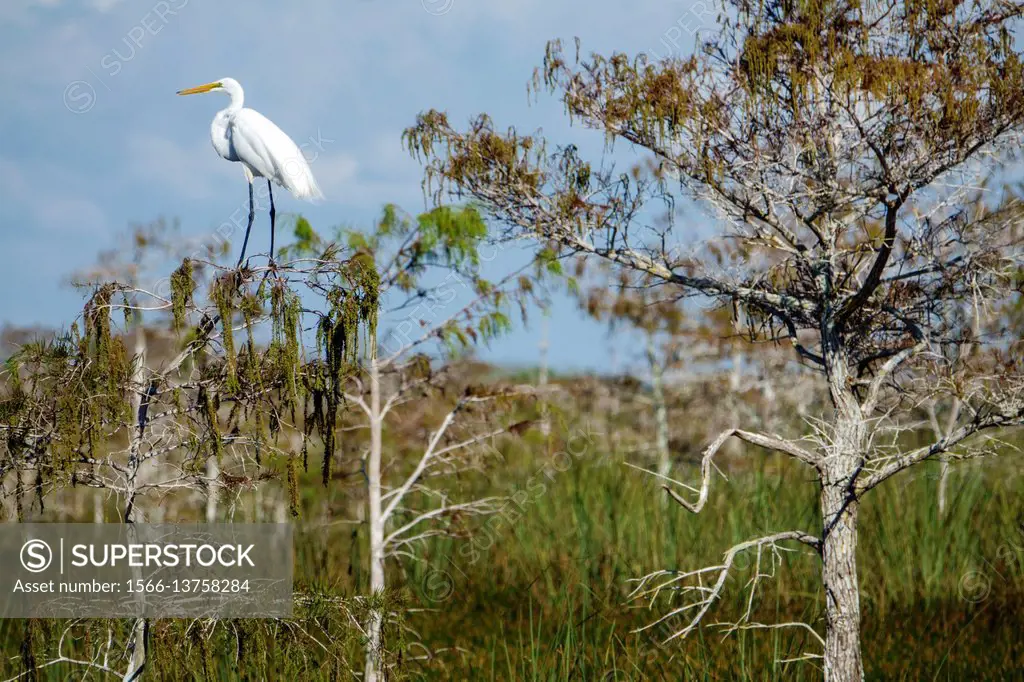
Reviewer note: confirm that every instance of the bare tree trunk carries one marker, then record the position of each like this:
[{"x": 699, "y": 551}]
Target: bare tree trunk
[
  {"x": 734, "y": 447},
  {"x": 212, "y": 474},
  {"x": 542, "y": 375},
  {"x": 373, "y": 641},
  {"x": 660, "y": 410},
  {"x": 9, "y": 487},
  {"x": 736, "y": 370},
  {"x": 609, "y": 407},
  {"x": 23, "y": 495},
  {"x": 939, "y": 432},
  {"x": 943, "y": 485},
  {"x": 954, "y": 414},
  {"x": 280, "y": 511},
  {"x": 839, "y": 575},
  {"x": 843, "y": 661},
  {"x": 259, "y": 512},
  {"x": 139, "y": 640}
]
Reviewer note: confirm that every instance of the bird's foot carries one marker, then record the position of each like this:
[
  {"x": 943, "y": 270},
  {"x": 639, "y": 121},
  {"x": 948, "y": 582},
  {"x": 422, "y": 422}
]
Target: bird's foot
[
  {"x": 240, "y": 271},
  {"x": 274, "y": 269}
]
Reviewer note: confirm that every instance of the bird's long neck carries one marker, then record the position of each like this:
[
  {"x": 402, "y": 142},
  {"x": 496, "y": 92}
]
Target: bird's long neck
[{"x": 237, "y": 97}]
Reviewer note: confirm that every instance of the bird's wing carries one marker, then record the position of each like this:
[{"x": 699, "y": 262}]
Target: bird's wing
[{"x": 264, "y": 147}]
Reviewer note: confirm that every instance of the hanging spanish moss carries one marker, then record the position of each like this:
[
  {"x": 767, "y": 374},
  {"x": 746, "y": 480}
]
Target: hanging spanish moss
[
  {"x": 223, "y": 293},
  {"x": 182, "y": 289},
  {"x": 353, "y": 305},
  {"x": 293, "y": 484},
  {"x": 209, "y": 405},
  {"x": 286, "y": 311},
  {"x": 251, "y": 307},
  {"x": 107, "y": 363}
]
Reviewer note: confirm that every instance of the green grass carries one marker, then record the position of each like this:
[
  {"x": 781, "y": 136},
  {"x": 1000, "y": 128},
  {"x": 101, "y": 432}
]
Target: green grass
[
  {"x": 934, "y": 593},
  {"x": 541, "y": 595}
]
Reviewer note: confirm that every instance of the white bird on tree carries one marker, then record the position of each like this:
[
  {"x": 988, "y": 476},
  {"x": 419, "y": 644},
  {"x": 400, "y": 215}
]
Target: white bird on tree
[{"x": 264, "y": 150}]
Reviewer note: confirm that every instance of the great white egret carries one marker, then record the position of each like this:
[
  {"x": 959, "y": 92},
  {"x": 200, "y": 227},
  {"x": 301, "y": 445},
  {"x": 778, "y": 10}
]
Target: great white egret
[{"x": 264, "y": 150}]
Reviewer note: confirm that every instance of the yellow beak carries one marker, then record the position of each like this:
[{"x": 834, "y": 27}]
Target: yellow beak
[{"x": 200, "y": 88}]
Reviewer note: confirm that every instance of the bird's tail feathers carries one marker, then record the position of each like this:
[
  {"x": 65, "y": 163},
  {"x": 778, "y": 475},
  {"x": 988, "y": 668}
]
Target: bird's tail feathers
[
  {"x": 303, "y": 186},
  {"x": 311, "y": 191}
]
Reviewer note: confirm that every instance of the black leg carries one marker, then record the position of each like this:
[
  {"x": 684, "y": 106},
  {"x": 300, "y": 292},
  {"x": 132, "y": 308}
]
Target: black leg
[
  {"x": 273, "y": 213},
  {"x": 252, "y": 214}
]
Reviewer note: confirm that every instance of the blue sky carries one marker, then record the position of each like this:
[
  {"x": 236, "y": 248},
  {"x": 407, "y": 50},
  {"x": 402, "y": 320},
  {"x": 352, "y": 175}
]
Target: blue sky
[{"x": 93, "y": 138}]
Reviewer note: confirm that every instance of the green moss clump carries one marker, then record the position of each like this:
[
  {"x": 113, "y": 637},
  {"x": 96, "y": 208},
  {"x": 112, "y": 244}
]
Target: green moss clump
[
  {"x": 354, "y": 305},
  {"x": 223, "y": 293},
  {"x": 183, "y": 287},
  {"x": 209, "y": 405}
]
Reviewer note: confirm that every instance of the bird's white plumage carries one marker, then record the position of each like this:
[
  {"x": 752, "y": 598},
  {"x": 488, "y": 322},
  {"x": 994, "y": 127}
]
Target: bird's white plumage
[
  {"x": 268, "y": 152},
  {"x": 250, "y": 138}
]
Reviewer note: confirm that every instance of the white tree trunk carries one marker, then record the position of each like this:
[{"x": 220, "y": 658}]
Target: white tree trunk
[
  {"x": 542, "y": 375},
  {"x": 660, "y": 410},
  {"x": 937, "y": 430},
  {"x": 954, "y": 416},
  {"x": 736, "y": 370},
  {"x": 9, "y": 488},
  {"x": 373, "y": 641},
  {"x": 23, "y": 498},
  {"x": 609, "y": 406},
  {"x": 843, "y": 661},
  {"x": 943, "y": 485},
  {"x": 139, "y": 641},
  {"x": 212, "y": 474}
]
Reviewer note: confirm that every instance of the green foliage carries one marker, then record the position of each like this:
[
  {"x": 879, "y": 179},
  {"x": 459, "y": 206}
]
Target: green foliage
[
  {"x": 305, "y": 237},
  {"x": 445, "y": 236},
  {"x": 307, "y": 244},
  {"x": 451, "y": 235},
  {"x": 493, "y": 325}
]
